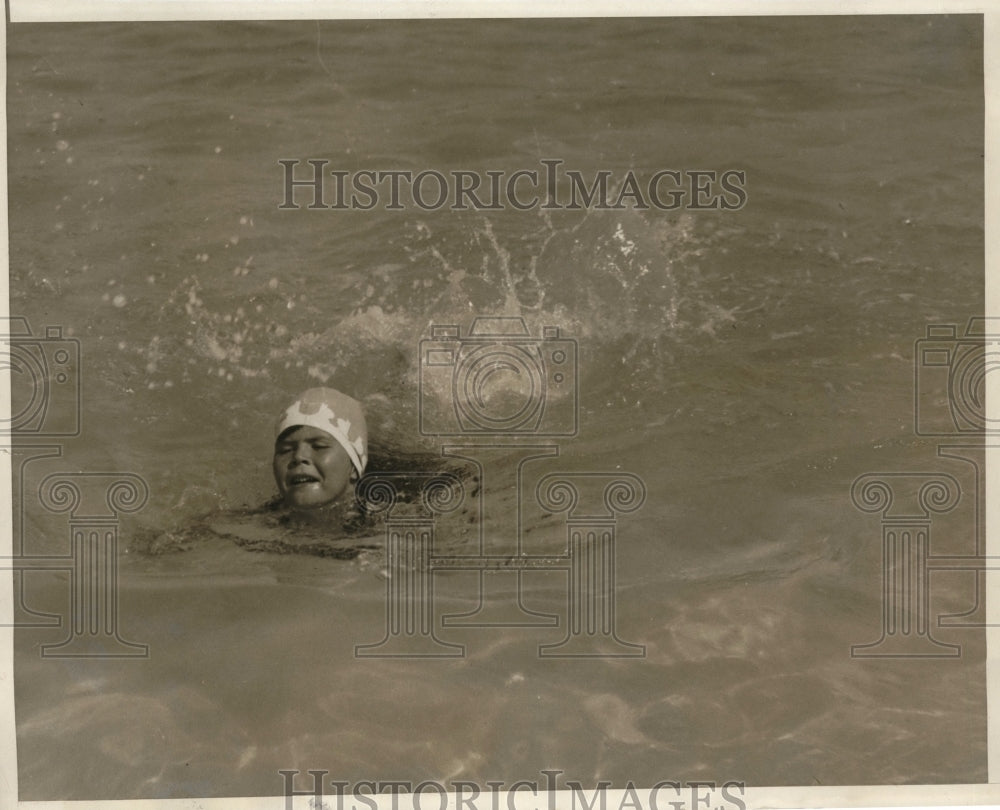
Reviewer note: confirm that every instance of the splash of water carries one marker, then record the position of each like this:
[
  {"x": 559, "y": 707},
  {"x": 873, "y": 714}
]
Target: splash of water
[{"x": 630, "y": 290}]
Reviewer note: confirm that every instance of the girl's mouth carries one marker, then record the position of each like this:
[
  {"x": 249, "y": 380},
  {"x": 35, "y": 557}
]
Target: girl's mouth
[{"x": 302, "y": 478}]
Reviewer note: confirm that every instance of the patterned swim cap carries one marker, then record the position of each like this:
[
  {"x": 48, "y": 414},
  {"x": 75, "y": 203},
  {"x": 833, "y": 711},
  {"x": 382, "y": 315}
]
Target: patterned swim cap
[{"x": 336, "y": 413}]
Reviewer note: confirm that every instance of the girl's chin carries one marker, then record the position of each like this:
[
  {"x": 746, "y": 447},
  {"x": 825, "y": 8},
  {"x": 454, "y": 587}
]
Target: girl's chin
[
  {"x": 310, "y": 508},
  {"x": 307, "y": 496}
]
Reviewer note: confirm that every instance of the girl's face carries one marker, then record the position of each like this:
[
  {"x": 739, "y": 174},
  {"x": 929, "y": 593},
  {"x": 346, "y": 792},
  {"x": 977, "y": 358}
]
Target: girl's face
[{"x": 311, "y": 468}]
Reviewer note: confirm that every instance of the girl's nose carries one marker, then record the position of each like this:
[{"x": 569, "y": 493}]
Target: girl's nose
[{"x": 302, "y": 452}]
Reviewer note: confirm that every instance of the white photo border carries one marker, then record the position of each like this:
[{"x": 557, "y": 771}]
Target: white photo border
[{"x": 757, "y": 798}]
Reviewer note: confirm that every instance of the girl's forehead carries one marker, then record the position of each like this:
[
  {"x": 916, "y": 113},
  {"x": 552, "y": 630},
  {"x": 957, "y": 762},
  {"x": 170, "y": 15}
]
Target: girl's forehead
[{"x": 302, "y": 433}]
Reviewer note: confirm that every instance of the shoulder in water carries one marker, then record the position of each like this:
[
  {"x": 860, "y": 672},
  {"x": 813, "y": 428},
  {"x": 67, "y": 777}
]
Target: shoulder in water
[{"x": 340, "y": 533}]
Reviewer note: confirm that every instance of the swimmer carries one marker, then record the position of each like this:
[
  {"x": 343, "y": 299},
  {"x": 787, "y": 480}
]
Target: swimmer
[{"x": 320, "y": 449}]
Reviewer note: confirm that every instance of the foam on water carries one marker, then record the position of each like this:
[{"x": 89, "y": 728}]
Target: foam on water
[{"x": 612, "y": 281}]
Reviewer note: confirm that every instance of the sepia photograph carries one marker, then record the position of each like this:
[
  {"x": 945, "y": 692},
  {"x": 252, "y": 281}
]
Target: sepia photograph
[{"x": 581, "y": 411}]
